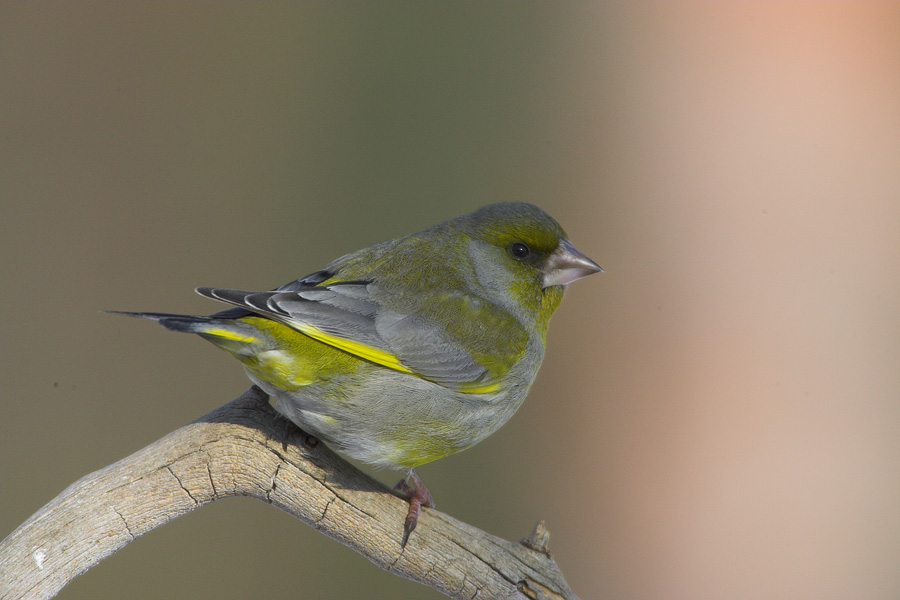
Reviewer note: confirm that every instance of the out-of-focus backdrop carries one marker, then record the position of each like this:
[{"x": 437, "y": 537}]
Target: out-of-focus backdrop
[{"x": 718, "y": 415}]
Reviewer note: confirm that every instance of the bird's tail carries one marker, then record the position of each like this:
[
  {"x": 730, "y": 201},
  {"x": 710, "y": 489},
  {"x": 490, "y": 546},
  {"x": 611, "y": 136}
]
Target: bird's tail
[
  {"x": 225, "y": 329},
  {"x": 184, "y": 323}
]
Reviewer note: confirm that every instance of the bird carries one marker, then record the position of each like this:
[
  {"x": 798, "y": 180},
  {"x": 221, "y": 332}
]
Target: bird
[{"x": 410, "y": 350}]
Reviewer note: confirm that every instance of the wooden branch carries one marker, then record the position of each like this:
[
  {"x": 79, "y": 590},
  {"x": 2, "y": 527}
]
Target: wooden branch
[{"x": 240, "y": 450}]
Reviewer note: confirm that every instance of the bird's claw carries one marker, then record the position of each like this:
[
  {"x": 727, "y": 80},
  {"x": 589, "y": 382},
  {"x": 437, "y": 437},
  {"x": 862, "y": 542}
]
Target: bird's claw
[{"x": 418, "y": 496}]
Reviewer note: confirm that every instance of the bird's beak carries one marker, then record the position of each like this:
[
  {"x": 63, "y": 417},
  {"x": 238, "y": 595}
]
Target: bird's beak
[{"x": 566, "y": 264}]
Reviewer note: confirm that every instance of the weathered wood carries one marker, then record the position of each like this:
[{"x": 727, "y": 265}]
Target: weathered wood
[{"x": 240, "y": 450}]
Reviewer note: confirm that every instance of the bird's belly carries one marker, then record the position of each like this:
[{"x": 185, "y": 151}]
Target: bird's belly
[{"x": 391, "y": 419}]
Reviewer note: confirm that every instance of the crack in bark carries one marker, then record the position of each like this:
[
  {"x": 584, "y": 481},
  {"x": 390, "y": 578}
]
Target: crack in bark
[
  {"x": 477, "y": 587},
  {"x": 348, "y": 502},
  {"x": 325, "y": 510},
  {"x": 272, "y": 484},
  {"x": 486, "y": 562},
  {"x": 209, "y": 475},
  {"x": 536, "y": 590},
  {"x": 515, "y": 555},
  {"x": 124, "y": 522},
  {"x": 181, "y": 485},
  {"x": 390, "y": 567}
]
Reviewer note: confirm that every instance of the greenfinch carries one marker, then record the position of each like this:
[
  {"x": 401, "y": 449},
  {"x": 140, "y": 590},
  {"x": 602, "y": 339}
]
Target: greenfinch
[{"x": 412, "y": 349}]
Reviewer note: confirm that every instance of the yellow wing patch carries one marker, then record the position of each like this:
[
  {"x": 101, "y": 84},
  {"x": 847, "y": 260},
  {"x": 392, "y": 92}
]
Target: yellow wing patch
[
  {"x": 230, "y": 335},
  {"x": 381, "y": 357},
  {"x": 481, "y": 389}
]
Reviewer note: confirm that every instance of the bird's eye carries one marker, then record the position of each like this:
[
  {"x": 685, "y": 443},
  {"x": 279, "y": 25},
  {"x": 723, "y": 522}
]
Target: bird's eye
[{"x": 519, "y": 250}]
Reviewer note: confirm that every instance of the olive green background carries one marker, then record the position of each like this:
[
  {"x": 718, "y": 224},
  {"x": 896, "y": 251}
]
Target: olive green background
[{"x": 718, "y": 415}]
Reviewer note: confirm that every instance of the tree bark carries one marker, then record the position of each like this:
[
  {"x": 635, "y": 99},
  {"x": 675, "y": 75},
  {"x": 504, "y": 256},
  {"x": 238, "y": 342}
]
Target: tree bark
[{"x": 243, "y": 449}]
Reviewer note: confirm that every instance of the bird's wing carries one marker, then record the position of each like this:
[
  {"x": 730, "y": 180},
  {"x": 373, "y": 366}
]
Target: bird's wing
[{"x": 353, "y": 317}]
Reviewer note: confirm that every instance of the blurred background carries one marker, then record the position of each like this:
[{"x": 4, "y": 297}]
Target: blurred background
[{"x": 718, "y": 415}]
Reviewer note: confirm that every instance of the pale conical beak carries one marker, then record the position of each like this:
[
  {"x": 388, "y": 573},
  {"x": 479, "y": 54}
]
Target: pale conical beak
[{"x": 566, "y": 264}]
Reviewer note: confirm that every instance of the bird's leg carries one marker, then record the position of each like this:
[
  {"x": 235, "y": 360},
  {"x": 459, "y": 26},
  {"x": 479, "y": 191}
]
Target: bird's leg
[{"x": 418, "y": 496}]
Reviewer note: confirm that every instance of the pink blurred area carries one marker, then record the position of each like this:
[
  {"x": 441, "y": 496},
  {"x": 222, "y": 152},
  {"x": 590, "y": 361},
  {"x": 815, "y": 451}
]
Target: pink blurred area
[
  {"x": 718, "y": 415},
  {"x": 749, "y": 408}
]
